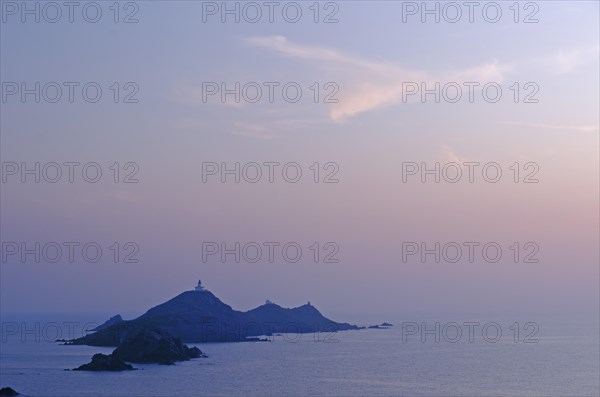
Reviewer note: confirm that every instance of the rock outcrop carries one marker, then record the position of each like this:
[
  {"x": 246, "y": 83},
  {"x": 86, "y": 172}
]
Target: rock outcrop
[
  {"x": 103, "y": 362},
  {"x": 381, "y": 326},
  {"x": 147, "y": 346},
  {"x": 8, "y": 392},
  {"x": 111, "y": 321},
  {"x": 155, "y": 346}
]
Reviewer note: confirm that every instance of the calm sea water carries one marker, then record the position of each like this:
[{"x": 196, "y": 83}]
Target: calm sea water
[{"x": 564, "y": 361}]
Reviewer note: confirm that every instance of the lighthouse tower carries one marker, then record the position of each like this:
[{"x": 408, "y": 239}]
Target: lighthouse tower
[{"x": 199, "y": 287}]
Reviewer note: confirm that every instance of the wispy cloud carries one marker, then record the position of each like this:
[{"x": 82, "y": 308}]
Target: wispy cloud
[
  {"x": 282, "y": 45},
  {"x": 449, "y": 154},
  {"x": 577, "y": 128},
  {"x": 192, "y": 95},
  {"x": 253, "y": 130},
  {"x": 367, "y": 85},
  {"x": 263, "y": 125},
  {"x": 570, "y": 61},
  {"x": 372, "y": 85},
  {"x": 265, "y": 129},
  {"x": 560, "y": 62}
]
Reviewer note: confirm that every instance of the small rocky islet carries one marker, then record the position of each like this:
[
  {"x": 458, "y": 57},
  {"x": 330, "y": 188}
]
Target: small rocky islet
[
  {"x": 145, "y": 347},
  {"x": 8, "y": 392},
  {"x": 381, "y": 326},
  {"x": 105, "y": 362}
]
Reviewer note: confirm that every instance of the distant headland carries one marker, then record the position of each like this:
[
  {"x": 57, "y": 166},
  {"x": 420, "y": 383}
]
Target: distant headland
[{"x": 198, "y": 316}]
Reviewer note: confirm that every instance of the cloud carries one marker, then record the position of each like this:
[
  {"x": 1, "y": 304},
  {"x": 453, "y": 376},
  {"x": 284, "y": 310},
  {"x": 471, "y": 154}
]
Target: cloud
[
  {"x": 450, "y": 155},
  {"x": 282, "y": 45},
  {"x": 192, "y": 95},
  {"x": 569, "y": 61},
  {"x": 261, "y": 127},
  {"x": 366, "y": 85},
  {"x": 272, "y": 129},
  {"x": 564, "y": 61},
  {"x": 488, "y": 72},
  {"x": 578, "y": 128},
  {"x": 369, "y": 85},
  {"x": 259, "y": 131}
]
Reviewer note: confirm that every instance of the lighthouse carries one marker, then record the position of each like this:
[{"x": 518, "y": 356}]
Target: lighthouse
[{"x": 199, "y": 287}]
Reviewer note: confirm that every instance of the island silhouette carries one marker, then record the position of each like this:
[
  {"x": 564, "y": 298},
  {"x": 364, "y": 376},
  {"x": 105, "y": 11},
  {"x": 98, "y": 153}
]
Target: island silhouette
[{"x": 198, "y": 316}]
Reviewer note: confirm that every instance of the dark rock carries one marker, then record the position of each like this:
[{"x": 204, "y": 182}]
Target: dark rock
[
  {"x": 381, "y": 326},
  {"x": 103, "y": 362},
  {"x": 155, "y": 346},
  {"x": 111, "y": 321},
  {"x": 272, "y": 318},
  {"x": 255, "y": 339},
  {"x": 200, "y": 317},
  {"x": 8, "y": 392}
]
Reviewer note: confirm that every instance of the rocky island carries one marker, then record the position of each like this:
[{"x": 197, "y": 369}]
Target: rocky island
[
  {"x": 155, "y": 346},
  {"x": 198, "y": 316},
  {"x": 381, "y": 326},
  {"x": 148, "y": 347},
  {"x": 104, "y": 362},
  {"x": 8, "y": 392}
]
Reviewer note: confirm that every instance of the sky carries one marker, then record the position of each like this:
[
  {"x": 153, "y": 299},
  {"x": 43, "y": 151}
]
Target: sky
[{"x": 172, "y": 135}]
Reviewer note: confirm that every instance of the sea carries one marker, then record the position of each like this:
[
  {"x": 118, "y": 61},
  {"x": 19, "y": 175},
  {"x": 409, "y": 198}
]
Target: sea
[{"x": 416, "y": 357}]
